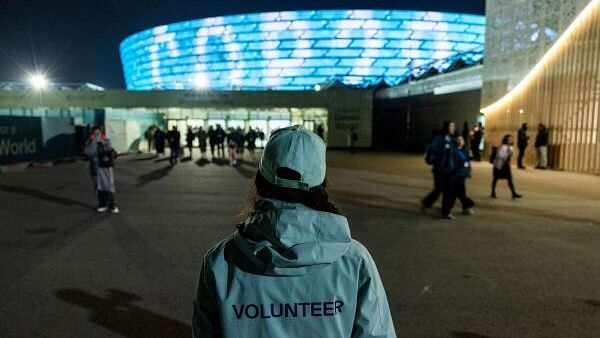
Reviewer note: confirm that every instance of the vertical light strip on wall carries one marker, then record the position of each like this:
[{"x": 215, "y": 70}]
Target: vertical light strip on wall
[{"x": 585, "y": 14}]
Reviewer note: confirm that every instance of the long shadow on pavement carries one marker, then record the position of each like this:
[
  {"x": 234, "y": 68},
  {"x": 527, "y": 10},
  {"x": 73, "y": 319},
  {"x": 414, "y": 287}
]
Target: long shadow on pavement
[
  {"x": 154, "y": 175},
  {"x": 242, "y": 168},
  {"x": 116, "y": 313},
  {"x": 44, "y": 196},
  {"x": 202, "y": 162},
  {"x": 220, "y": 161},
  {"x": 143, "y": 159}
]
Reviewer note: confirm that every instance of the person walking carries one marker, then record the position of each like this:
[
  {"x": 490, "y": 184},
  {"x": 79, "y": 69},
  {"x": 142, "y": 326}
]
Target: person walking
[
  {"x": 541, "y": 146},
  {"x": 463, "y": 172},
  {"x": 292, "y": 268},
  {"x": 99, "y": 150},
  {"x": 440, "y": 155},
  {"x": 522, "y": 141},
  {"x": 478, "y": 132},
  {"x": 202, "y": 135},
  {"x": 174, "y": 138},
  {"x": 501, "y": 162},
  {"x": 189, "y": 140},
  {"x": 220, "y": 136},
  {"x": 159, "y": 141}
]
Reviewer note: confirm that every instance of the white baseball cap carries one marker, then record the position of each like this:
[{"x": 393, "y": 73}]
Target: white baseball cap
[{"x": 297, "y": 149}]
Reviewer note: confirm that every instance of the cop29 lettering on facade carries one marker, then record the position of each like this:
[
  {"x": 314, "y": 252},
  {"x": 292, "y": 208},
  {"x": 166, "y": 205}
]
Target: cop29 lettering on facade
[{"x": 299, "y": 50}]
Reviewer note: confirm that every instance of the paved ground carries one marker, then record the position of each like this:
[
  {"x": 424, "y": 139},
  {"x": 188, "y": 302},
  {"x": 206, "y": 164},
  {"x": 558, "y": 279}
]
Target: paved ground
[{"x": 529, "y": 268}]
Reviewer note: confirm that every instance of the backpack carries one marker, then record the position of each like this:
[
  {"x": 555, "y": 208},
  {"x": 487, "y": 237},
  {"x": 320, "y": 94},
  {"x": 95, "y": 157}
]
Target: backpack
[
  {"x": 493, "y": 155},
  {"x": 106, "y": 157}
]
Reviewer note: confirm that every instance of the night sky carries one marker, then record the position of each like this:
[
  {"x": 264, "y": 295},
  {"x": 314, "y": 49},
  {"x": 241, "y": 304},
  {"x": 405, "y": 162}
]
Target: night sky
[{"x": 78, "y": 40}]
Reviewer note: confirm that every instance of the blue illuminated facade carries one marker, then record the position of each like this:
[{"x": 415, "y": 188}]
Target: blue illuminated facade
[{"x": 299, "y": 50}]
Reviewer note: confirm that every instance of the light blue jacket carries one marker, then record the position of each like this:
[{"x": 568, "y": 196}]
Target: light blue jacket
[{"x": 291, "y": 271}]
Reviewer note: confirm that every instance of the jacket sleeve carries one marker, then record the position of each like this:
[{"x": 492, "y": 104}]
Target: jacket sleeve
[
  {"x": 90, "y": 149},
  {"x": 373, "y": 318},
  {"x": 205, "y": 320}
]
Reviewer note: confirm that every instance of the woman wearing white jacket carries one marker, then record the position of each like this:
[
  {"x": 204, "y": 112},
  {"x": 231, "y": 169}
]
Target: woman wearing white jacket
[
  {"x": 502, "y": 166},
  {"x": 292, "y": 269},
  {"x": 101, "y": 154}
]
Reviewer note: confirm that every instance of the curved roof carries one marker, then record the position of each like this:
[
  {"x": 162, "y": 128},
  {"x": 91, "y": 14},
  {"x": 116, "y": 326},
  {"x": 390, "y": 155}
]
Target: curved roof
[{"x": 298, "y": 50}]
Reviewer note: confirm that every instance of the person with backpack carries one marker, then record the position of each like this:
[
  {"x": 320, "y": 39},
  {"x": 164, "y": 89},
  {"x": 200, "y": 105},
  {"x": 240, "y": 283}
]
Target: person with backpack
[
  {"x": 101, "y": 155},
  {"x": 463, "y": 172},
  {"x": 501, "y": 162},
  {"x": 440, "y": 154},
  {"x": 292, "y": 268}
]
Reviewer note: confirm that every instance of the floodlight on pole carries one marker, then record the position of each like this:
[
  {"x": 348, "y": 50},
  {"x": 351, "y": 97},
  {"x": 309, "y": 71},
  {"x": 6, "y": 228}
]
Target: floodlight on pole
[{"x": 38, "y": 81}]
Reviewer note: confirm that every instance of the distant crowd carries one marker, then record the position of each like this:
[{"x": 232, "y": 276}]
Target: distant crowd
[{"x": 235, "y": 139}]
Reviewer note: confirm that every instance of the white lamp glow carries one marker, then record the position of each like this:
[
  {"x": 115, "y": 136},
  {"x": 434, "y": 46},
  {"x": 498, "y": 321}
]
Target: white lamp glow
[
  {"x": 38, "y": 81},
  {"x": 201, "y": 81}
]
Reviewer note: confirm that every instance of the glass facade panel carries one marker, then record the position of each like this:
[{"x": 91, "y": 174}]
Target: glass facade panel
[{"x": 295, "y": 50}]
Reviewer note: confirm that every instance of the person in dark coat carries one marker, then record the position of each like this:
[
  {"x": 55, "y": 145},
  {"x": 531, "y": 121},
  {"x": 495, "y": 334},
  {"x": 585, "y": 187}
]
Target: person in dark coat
[
  {"x": 321, "y": 131},
  {"x": 463, "y": 172},
  {"x": 189, "y": 140},
  {"x": 220, "y": 136},
  {"x": 441, "y": 155},
  {"x": 502, "y": 166},
  {"x": 522, "y": 140},
  {"x": 159, "y": 141},
  {"x": 352, "y": 139},
  {"x": 212, "y": 140},
  {"x": 240, "y": 139},
  {"x": 476, "y": 141},
  {"x": 174, "y": 138},
  {"x": 149, "y": 136},
  {"x": 541, "y": 145},
  {"x": 99, "y": 150},
  {"x": 466, "y": 134},
  {"x": 251, "y": 141},
  {"x": 202, "y": 135}
]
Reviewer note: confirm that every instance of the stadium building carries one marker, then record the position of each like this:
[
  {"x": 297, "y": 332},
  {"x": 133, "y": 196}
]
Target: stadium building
[{"x": 267, "y": 70}]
